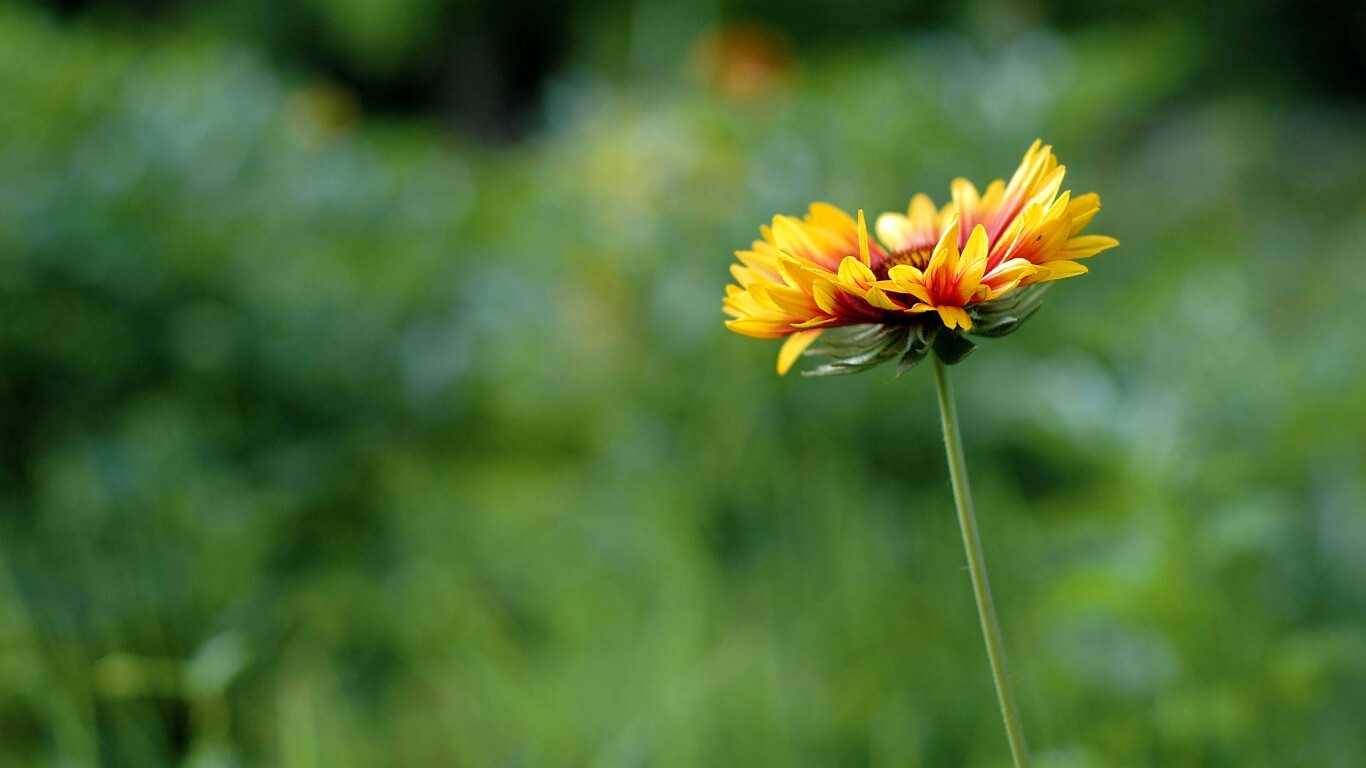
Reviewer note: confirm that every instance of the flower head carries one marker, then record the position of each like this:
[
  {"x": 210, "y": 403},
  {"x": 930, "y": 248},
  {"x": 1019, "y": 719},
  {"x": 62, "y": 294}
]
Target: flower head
[{"x": 975, "y": 265}]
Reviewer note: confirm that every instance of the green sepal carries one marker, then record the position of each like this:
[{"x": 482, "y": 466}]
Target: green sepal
[
  {"x": 861, "y": 350},
  {"x": 952, "y": 347},
  {"x": 858, "y": 348},
  {"x": 917, "y": 346},
  {"x": 1005, "y": 315},
  {"x": 842, "y": 343}
]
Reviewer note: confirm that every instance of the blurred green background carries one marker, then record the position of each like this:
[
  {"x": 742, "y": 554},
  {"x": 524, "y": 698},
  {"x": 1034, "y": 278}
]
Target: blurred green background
[{"x": 364, "y": 398}]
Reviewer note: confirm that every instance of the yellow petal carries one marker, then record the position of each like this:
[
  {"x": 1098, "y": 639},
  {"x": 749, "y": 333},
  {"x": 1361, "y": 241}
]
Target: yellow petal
[
  {"x": 905, "y": 273},
  {"x": 1057, "y": 270},
  {"x": 827, "y": 215},
  {"x": 991, "y": 196},
  {"x": 792, "y": 301},
  {"x": 795, "y": 345},
  {"x": 976, "y": 248},
  {"x": 1081, "y": 210},
  {"x": 759, "y": 292},
  {"x": 948, "y": 244},
  {"x": 954, "y": 317},
  {"x": 949, "y": 209},
  {"x": 1086, "y": 246},
  {"x": 879, "y": 299},
  {"x": 792, "y": 238},
  {"x": 1007, "y": 275},
  {"x": 855, "y": 273},
  {"x": 965, "y": 196},
  {"x": 895, "y": 231},
  {"x": 823, "y": 292},
  {"x": 922, "y": 212},
  {"x": 863, "y": 240},
  {"x": 908, "y": 280},
  {"x": 796, "y": 275},
  {"x": 758, "y": 329}
]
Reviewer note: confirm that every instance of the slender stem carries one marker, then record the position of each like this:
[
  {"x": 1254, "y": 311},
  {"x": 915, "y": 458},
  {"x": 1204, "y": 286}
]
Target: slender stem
[{"x": 981, "y": 587}]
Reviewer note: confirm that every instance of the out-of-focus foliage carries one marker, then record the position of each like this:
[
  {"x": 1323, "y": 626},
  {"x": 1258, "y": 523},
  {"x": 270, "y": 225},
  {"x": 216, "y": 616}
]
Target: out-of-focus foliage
[
  {"x": 479, "y": 64},
  {"x": 335, "y": 441}
]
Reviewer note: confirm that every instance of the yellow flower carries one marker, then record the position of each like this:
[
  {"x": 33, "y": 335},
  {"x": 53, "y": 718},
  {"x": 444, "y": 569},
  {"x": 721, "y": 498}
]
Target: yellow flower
[{"x": 936, "y": 272}]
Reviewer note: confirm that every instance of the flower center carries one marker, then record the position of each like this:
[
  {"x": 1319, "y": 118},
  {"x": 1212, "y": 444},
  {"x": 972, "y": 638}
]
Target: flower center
[{"x": 915, "y": 257}]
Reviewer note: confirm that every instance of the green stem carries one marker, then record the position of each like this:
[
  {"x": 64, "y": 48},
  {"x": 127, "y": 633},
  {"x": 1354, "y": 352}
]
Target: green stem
[{"x": 981, "y": 587}]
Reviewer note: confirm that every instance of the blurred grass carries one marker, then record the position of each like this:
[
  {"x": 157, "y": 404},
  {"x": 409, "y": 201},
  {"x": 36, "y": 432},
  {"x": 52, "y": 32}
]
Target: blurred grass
[{"x": 334, "y": 441}]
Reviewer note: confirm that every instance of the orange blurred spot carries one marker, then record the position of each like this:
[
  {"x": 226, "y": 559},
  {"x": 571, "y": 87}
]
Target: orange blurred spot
[{"x": 741, "y": 61}]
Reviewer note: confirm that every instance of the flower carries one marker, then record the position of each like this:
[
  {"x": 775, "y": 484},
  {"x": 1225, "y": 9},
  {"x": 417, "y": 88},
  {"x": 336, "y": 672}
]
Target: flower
[{"x": 977, "y": 265}]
